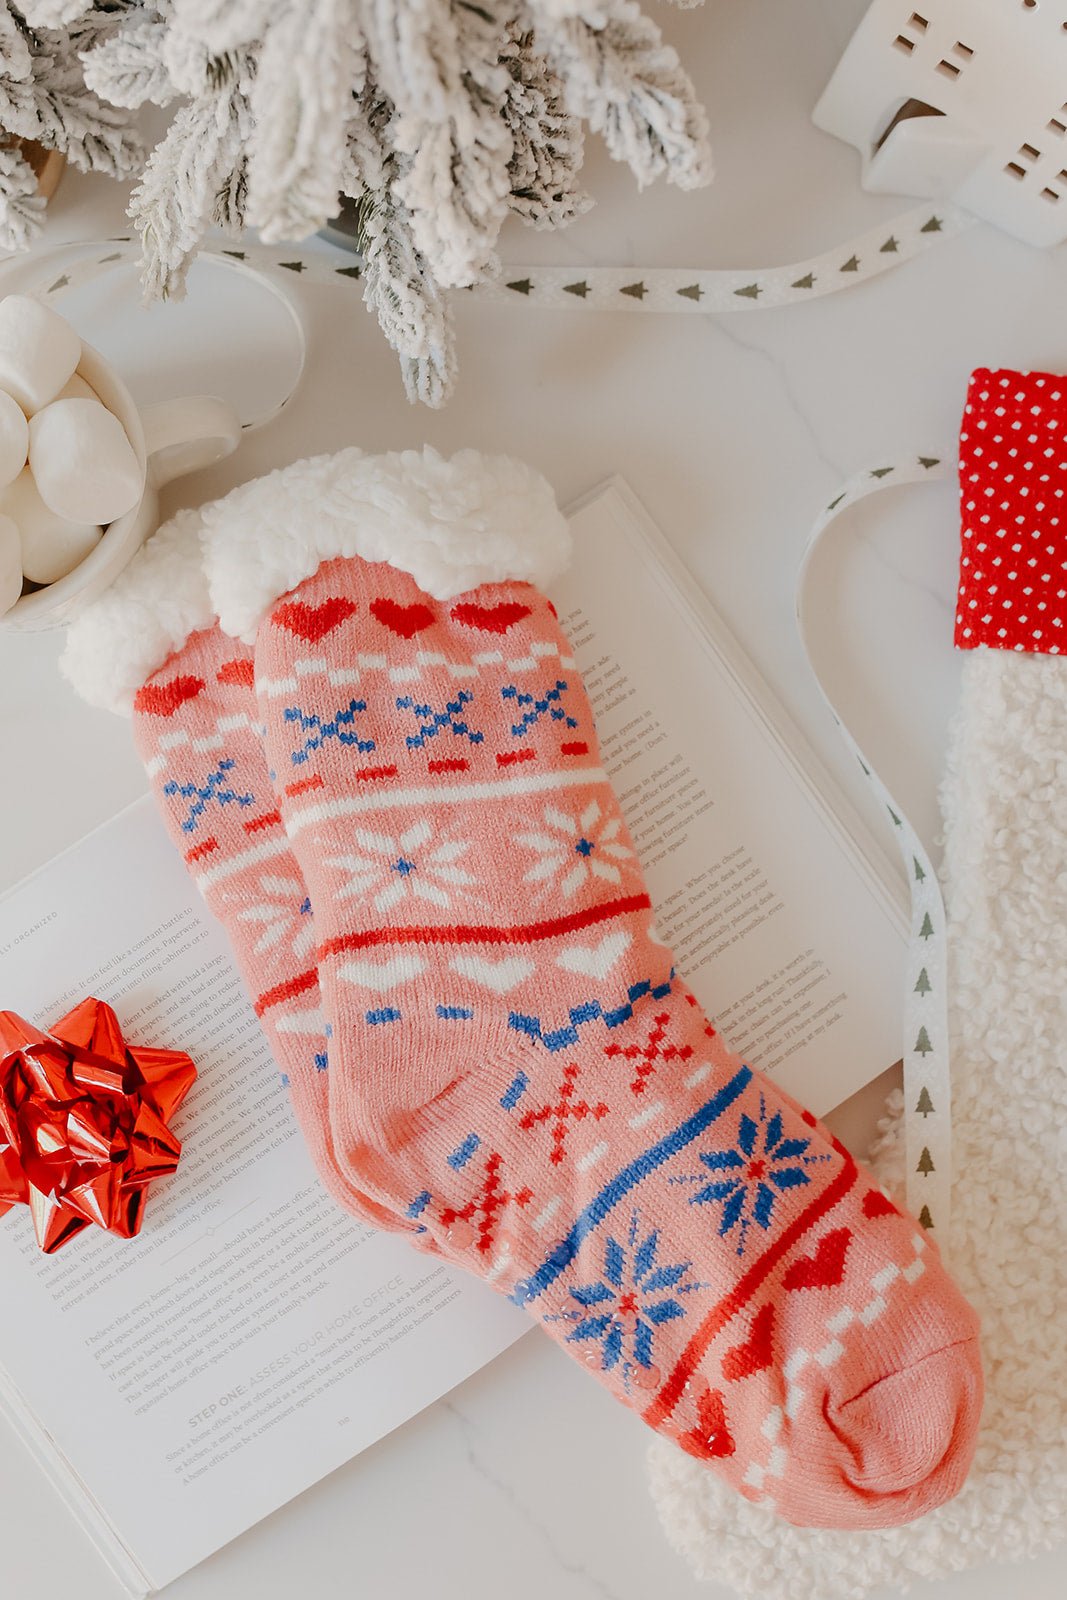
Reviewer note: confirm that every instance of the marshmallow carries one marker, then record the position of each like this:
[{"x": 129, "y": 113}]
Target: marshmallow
[
  {"x": 14, "y": 438},
  {"x": 51, "y": 545},
  {"x": 77, "y": 389},
  {"x": 85, "y": 467},
  {"x": 10, "y": 564},
  {"x": 38, "y": 352}
]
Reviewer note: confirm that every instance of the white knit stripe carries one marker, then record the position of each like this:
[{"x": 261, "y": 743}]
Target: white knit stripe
[
  {"x": 771, "y": 1426},
  {"x": 545, "y": 1216},
  {"x": 431, "y": 661},
  {"x": 413, "y": 674},
  {"x": 591, "y": 1157},
  {"x": 275, "y": 688},
  {"x": 233, "y": 723},
  {"x": 245, "y": 858},
  {"x": 500, "y": 1264},
  {"x": 308, "y": 1024},
  {"x": 348, "y": 805},
  {"x": 649, "y": 1114}
]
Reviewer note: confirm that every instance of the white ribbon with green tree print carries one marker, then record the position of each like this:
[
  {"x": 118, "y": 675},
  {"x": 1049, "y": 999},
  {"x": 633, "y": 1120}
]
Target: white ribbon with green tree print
[
  {"x": 925, "y": 1053},
  {"x": 693, "y": 291}
]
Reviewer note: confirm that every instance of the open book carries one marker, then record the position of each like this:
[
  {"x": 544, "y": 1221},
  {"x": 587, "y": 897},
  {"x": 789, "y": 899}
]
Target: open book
[{"x": 179, "y": 1387}]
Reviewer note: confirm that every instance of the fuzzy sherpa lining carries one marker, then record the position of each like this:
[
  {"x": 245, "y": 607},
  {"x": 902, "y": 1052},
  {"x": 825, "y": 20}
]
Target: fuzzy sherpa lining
[
  {"x": 149, "y": 611},
  {"x": 452, "y": 523},
  {"x": 1005, "y": 807}
]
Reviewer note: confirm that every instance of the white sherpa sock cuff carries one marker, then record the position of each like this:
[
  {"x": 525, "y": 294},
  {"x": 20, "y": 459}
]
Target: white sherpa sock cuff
[
  {"x": 453, "y": 523},
  {"x": 147, "y": 613}
]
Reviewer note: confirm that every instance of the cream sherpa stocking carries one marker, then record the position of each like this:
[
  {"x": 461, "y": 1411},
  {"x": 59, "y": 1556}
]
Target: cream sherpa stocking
[{"x": 1005, "y": 807}]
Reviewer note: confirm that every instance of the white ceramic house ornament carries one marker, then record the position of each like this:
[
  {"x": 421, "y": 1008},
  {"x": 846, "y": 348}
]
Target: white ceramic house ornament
[{"x": 961, "y": 100}]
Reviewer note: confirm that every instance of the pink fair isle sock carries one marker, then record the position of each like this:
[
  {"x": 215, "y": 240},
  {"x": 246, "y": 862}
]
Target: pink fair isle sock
[
  {"x": 517, "y": 1068},
  {"x": 197, "y": 731}
]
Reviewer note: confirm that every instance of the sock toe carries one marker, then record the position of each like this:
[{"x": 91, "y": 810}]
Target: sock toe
[{"x": 910, "y": 1436}]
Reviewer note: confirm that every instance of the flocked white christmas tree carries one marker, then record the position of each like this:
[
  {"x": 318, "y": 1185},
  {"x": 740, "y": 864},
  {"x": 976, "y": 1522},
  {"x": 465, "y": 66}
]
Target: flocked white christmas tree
[
  {"x": 44, "y": 98},
  {"x": 437, "y": 118}
]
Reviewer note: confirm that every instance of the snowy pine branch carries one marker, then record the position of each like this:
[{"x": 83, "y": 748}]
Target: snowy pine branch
[
  {"x": 177, "y": 198},
  {"x": 437, "y": 118},
  {"x": 21, "y": 207}
]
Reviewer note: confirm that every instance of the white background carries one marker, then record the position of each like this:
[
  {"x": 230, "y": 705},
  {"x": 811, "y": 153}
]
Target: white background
[{"x": 529, "y": 1481}]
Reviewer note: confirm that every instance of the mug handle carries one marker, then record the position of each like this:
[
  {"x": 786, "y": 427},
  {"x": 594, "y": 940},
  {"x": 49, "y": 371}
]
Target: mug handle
[{"x": 187, "y": 435}]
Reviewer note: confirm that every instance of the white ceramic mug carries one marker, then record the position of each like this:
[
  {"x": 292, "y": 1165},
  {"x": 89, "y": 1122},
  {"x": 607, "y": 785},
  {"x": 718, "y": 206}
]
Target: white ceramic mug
[{"x": 171, "y": 438}]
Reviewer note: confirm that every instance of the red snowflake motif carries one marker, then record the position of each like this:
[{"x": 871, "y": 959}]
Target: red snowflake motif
[
  {"x": 654, "y": 1052},
  {"x": 562, "y": 1112},
  {"x": 482, "y": 1213}
]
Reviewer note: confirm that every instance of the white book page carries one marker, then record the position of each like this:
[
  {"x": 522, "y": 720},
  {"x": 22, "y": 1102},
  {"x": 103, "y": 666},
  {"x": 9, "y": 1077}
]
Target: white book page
[
  {"x": 253, "y": 1337},
  {"x": 784, "y": 918}
]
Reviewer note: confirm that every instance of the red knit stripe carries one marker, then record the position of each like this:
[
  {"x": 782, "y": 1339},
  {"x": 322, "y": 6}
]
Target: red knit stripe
[
  {"x": 509, "y": 757},
  {"x": 286, "y": 991},
  {"x": 745, "y": 1288},
  {"x": 267, "y": 820},
  {"x": 363, "y": 938},
  {"x": 365, "y": 774},
  {"x": 293, "y": 789},
  {"x": 575, "y": 748},
  {"x": 454, "y": 764},
  {"x": 203, "y": 849}
]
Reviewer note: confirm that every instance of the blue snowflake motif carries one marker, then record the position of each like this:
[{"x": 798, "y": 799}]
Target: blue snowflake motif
[
  {"x": 761, "y": 1166},
  {"x": 622, "y": 1310}
]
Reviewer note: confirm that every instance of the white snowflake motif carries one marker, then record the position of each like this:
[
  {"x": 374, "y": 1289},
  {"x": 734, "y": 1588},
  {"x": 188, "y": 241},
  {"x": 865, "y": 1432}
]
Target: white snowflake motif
[
  {"x": 404, "y": 866},
  {"x": 285, "y": 906},
  {"x": 582, "y": 847}
]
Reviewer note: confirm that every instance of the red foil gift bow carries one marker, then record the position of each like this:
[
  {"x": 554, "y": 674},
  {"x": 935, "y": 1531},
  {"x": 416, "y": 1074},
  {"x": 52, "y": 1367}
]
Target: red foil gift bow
[{"x": 84, "y": 1122}]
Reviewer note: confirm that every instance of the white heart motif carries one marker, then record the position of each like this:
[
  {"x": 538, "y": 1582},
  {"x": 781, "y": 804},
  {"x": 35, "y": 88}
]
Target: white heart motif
[
  {"x": 595, "y": 961},
  {"x": 500, "y": 976},
  {"x": 381, "y": 976},
  {"x": 302, "y": 1022}
]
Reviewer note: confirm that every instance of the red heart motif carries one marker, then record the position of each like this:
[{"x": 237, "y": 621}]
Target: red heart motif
[
  {"x": 313, "y": 623},
  {"x": 492, "y": 619},
  {"x": 875, "y": 1204},
  {"x": 756, "y": 1352},
  {"x": 163, "y": 699},
  {"x": 406, "y": 621},
  {"x": 826, "y": 1268},
  {"x": 711, "y": 1439},
  {"x": 240, "y": 673}
]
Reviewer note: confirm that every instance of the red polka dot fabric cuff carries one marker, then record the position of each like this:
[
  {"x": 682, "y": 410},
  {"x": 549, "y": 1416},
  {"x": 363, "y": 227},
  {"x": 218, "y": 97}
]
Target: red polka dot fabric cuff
[{"x": 1013, "y": 477}]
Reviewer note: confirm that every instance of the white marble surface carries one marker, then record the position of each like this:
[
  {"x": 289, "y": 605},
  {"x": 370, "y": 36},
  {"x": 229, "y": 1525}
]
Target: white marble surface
[{"x": 529, "y": 1481}]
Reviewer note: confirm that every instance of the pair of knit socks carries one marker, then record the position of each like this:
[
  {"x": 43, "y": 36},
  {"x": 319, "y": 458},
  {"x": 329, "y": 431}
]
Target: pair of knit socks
[{"x": 391, "y": 794}]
